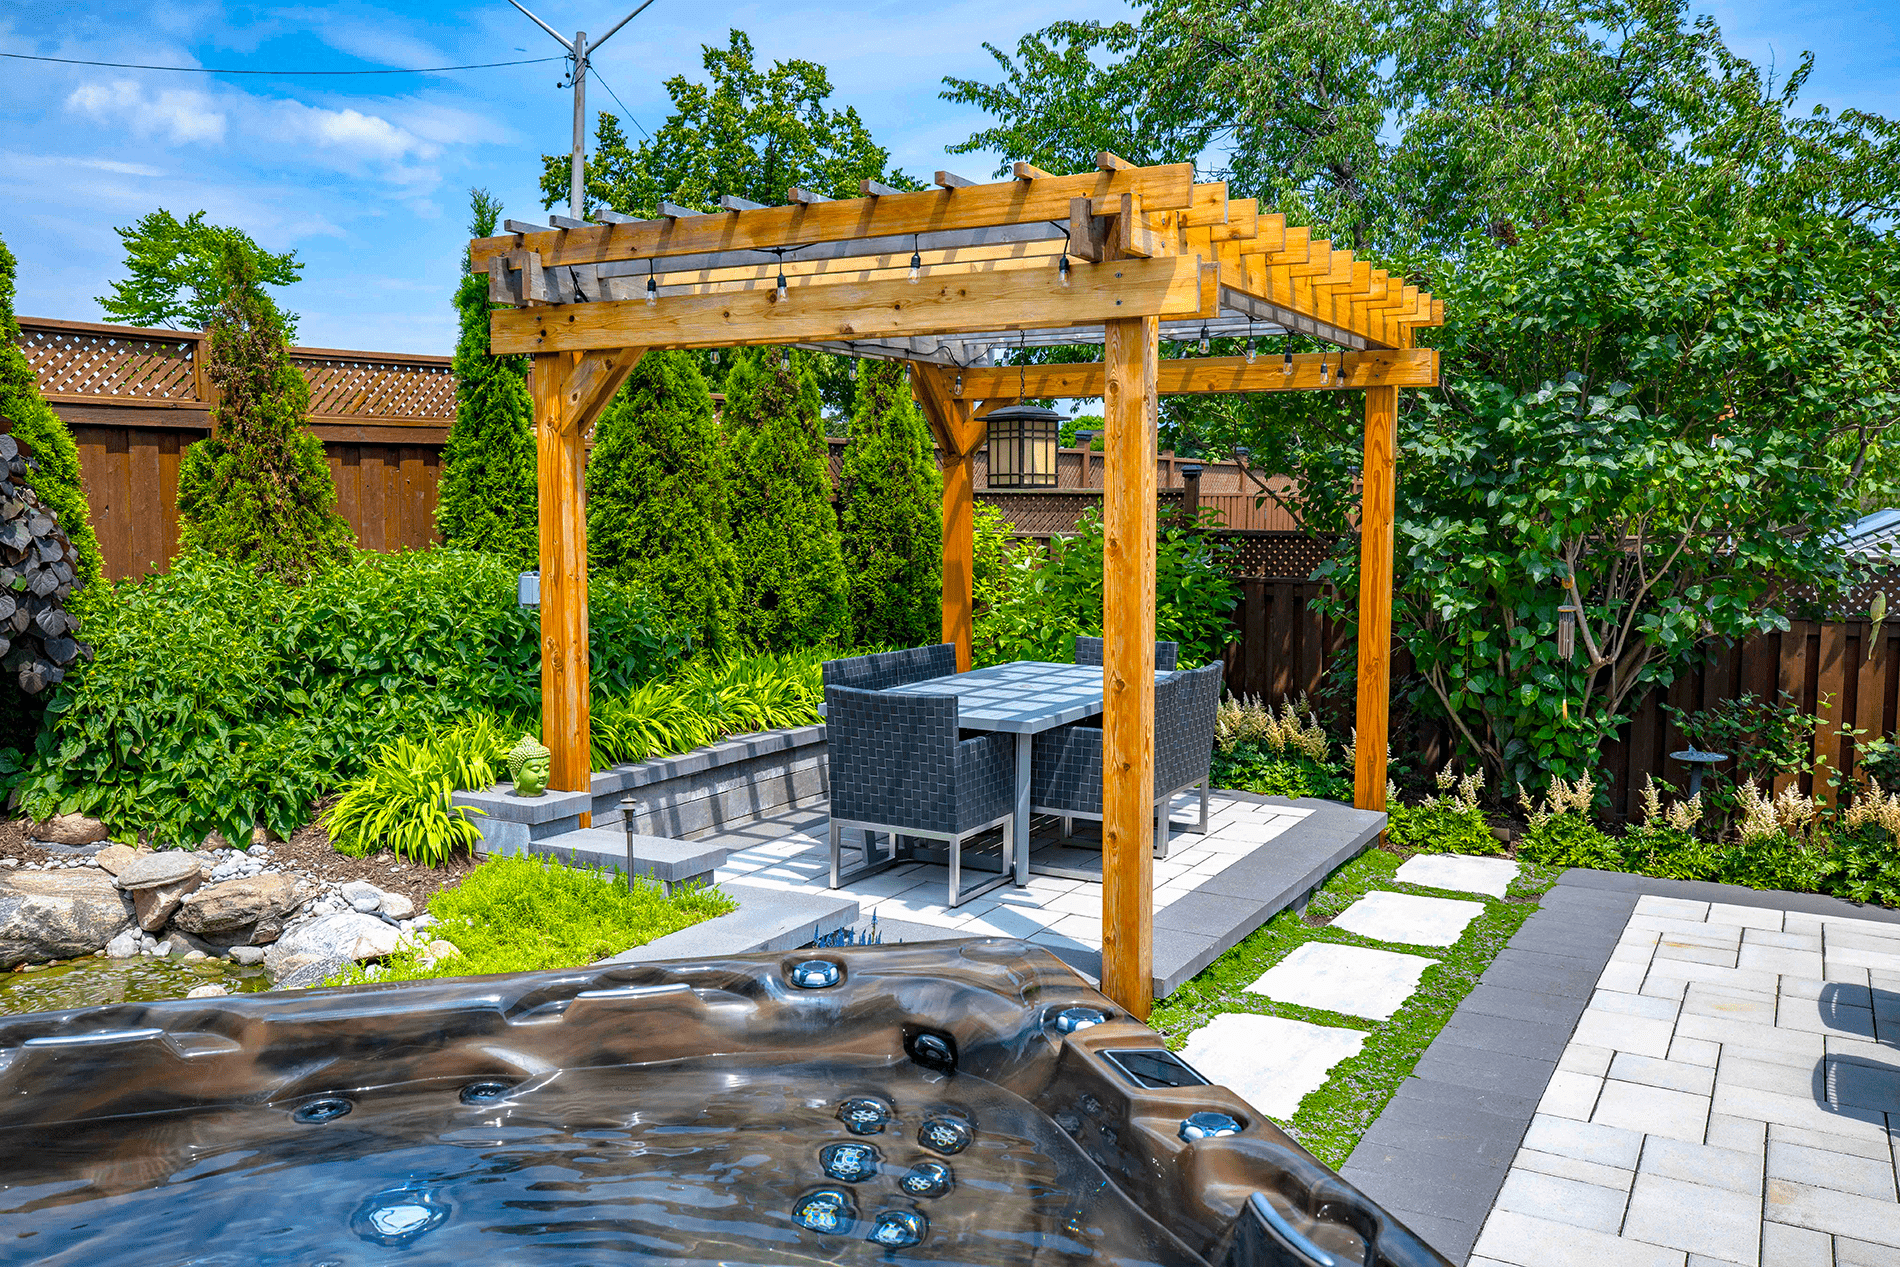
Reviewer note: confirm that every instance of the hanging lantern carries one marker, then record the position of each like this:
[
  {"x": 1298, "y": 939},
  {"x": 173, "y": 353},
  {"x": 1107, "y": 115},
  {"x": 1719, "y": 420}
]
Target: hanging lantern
[{"x": 1022, "y": 444}]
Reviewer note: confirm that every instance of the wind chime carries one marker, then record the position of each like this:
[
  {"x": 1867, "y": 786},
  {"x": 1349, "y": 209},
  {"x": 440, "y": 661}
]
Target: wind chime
[{"x": 1567, "y": 636}]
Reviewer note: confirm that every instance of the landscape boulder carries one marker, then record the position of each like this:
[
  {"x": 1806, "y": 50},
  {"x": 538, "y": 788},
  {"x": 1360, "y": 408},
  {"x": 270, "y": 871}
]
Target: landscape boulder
[
  {"x": 344, "y": 935},
  {"x": 158, "y": 883},
  {"x": 115, "y": 858},
  {"x": 69, "y": 829},
  {"x": 250, "y": 911},
  {"x": 59, "y": 915}
]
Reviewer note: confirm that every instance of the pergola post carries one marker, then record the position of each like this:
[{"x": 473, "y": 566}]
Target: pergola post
[
  {"x": 959, "y": 553},
  {"x": 569, "y": 390},
  {"x": 1378, "y": 495},
  {"x": 1128, "y": 663}
]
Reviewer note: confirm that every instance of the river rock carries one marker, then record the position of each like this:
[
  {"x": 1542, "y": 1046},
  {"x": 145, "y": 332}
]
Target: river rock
[
  {"x": 249, "y": 911},
  {"x": 310, "y": 973},
  {"x": 115, "y": 858},
  {"x": 69, "y": 829},
  {"x": 125, "y": 946},
  {"x": 247, "y": 954},
  {"x": 59, "y": 915},
  {"x": 345, "y": 935},
  {"x": 157, "y": 869},
  {"x": 396, "y": 906},
  {"x": 205, "y": 992}
]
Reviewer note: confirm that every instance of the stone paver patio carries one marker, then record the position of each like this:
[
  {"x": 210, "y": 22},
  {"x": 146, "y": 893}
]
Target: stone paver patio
[
  {"x": 1730, "y": 1095},
  {"x": 1260, "y": 855}
]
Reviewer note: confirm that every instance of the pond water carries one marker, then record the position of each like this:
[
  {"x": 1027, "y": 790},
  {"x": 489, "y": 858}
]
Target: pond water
[{"x": 92, "y": 981}]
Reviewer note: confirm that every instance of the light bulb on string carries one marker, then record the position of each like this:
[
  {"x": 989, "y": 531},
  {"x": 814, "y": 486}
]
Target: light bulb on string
[
  {"x": 1205, "y": 344},
  {"x": 916, "y": 261},
  {"x": 1286, "y": 365},
  {"x": 781, "y": 282},
  {"x": 653, "y": 288},
  {"x": 1251, "y": 353},
  {"x": 1062, "y": 269},
  {"x": 1323, "y": 370},
  {"x": 956, "y": 387}
]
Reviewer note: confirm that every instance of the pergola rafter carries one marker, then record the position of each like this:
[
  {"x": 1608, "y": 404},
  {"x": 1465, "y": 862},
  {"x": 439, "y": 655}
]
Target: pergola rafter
[{"x": 946, "y": 279}]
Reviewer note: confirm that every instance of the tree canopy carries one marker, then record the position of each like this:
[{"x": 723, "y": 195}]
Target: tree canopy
[
  {"x": 1668, "y": 376},
  {"x": 747, "y": 132},
  {"x": 172, "y": 272}
]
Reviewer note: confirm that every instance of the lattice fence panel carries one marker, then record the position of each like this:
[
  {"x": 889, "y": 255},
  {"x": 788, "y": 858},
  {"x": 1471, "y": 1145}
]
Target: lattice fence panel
[
  {"x": 1279, "y": 554},
  {"x": 342, "y": 387},
  {"x": 79, "y": 363}
]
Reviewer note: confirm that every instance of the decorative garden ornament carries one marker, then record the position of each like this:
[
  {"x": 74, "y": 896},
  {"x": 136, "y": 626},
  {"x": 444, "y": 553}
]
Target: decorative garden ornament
[{"x": 530, "y": 765}]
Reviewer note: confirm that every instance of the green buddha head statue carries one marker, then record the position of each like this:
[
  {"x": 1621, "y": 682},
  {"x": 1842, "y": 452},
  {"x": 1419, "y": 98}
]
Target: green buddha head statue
[{"x": 529, "y": 764}]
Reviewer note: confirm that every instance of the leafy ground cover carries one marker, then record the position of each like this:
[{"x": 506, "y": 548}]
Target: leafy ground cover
[
  {"x": 525, "y": 914},
  {"x": 1331, "y": 1119}
]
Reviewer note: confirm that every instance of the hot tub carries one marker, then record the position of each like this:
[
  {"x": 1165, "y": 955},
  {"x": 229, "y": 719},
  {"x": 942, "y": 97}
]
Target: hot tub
[{"x": 971, "y": 1102}]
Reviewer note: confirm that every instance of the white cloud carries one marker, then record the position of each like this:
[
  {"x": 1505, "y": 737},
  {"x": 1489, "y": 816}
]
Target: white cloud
[
  {"x": 182, "y": 115},
  {"x": 365, "y": 136}
]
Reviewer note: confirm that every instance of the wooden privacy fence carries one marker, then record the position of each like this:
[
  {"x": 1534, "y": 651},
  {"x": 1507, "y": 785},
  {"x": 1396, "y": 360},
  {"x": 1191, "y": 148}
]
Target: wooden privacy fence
[
  {"x": 1284, "y": 647},
  {"x": 135, "y": 398}
]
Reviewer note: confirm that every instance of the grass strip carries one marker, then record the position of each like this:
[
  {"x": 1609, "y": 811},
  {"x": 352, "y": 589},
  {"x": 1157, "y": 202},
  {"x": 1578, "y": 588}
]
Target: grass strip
[
  {"x": 525, "y": 914},
  {"x": 1331, "y": 1119}
]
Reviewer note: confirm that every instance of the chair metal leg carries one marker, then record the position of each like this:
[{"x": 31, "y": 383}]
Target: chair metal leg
[
  {"x": 1068, "y": 828},
  {"x": 836, "y": 832},
  {"x": 1161, "y": 827},
  {"x": 1205, "y": 785},
  {"x": 956, "y": 870}
]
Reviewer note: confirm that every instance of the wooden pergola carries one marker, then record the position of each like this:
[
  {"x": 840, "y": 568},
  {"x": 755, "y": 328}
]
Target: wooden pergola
[{"x": 944, "y": 279}]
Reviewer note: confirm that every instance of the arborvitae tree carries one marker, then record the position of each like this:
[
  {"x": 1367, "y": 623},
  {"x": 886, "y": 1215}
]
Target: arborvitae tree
[
  {"x": 656, "y": 497},
  {"x": 893, "y": 514},
  {"x": 53, "y": 472},
  {"x": 793, "y": 588},
  {"x": 487, "y": 496},
  {"x": 258, "y": 491}
]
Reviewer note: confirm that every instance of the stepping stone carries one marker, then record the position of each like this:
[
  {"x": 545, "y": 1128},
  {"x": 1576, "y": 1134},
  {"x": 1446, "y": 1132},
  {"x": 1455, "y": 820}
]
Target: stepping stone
[
  {"x": 1269, "y": 1061},
  {"x": 1348, "y": 979},
  {"x": 1408, "y": 920},
  {"x": 1460, "y": 872}
]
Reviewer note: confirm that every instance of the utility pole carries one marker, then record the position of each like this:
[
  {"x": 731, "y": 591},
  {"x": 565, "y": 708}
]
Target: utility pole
[{"x": 578, "y": 50}]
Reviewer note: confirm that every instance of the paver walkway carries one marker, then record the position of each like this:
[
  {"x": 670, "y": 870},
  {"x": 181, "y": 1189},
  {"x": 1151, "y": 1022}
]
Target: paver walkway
[
  {"x": 1274, "y": 1069},
  {"x": 1730, "y": 1095}
]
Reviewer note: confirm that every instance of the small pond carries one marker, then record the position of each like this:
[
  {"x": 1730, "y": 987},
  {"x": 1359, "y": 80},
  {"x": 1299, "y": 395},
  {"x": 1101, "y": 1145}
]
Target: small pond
[{"x": 91, "y": 981}]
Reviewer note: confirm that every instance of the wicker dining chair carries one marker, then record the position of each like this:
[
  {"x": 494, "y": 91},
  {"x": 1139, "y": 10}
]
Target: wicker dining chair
[
  {"x": 1065, "y": 775},
  {"x": 898, "y": 767},
  {"x": 885, "y": 669},
  {"x": 1089, "y": 651}
]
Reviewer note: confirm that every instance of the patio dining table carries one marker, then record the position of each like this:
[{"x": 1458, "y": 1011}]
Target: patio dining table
[{"x": 1023, "y": 698}]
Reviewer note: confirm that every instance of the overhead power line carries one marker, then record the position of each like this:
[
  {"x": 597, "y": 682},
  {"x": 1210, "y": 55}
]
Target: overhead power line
[{"x": 218, "y": 70}]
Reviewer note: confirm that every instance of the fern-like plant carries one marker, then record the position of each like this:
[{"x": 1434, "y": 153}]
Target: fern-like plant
[{"x": 402, "y": 801}]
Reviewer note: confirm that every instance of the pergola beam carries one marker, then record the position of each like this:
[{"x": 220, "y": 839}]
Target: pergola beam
[
  {"x": 870, "y": 310},
  {"x": 1411, "y": 367},
  {"x": 932, "y": 210}
]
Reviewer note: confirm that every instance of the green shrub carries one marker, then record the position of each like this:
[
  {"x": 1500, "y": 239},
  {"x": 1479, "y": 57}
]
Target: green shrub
[
  {"x": 258, "y": 491},
  {"x": 1050, "y": 602},
  {"x": 526, "y": 914},
  {"x": 1257, "y": 751},
  {"x": 791, "y": 562},
  {"x": 54, "y": 471},
  {"x": 656, "y": 497},
  {"x": 893, "y": 514},
  {"x": 487, "y": 499},
  {"x": 1570, "y": 840},
  {"x": 707, "y": 699},
  {"x": 220, "y": 698},
  {"x": 402, "y": 801}
]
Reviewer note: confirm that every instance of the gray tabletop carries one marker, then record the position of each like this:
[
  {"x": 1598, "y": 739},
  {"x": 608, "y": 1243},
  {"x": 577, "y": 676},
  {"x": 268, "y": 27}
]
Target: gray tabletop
[{"x": 1022, "y": 697}]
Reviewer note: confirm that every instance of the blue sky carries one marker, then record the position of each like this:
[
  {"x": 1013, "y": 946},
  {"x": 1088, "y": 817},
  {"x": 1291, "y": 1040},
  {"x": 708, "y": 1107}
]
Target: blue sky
[{"x": 366, "y": 177}]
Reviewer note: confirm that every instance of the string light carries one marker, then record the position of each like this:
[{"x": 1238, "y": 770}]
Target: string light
[
  {"x": 653, "y": 287},
  {"x": 1323, "y": 370},
  {"x": 781, "y": 281},
  {"x": 1251, "y": 353},
  {"x": 854, "y": 361},
  {"x": 1206, "y": 345},
  {"x": 916, "y": 260},
  {"x": 1286, "y": 366},
  {"x": 1339, "y": 375},
  {"x": 956, "y": 388},
  {"x": 1062, "y": 269}
]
